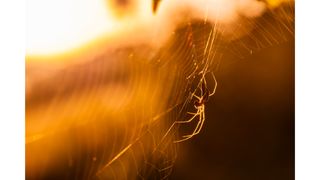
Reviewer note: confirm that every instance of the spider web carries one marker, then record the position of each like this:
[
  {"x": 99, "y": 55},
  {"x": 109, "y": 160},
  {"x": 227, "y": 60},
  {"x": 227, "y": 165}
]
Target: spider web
[
  {"x": 200, "y": 47},
  {"x": 154, "y": 145},
  {"x": 116, "y": 110}
]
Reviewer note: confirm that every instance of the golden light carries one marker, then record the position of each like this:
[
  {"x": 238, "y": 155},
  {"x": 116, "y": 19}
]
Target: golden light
[
  {"x": 110, "y": 82},
  {"x": 58, "y": 26},
  {"x": 54, "y": 26},
  {"x": 276, "y": 3}
]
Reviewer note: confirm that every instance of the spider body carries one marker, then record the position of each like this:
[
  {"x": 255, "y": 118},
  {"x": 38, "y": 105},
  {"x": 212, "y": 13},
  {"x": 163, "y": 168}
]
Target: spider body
[{"x": 204, "y": 98}]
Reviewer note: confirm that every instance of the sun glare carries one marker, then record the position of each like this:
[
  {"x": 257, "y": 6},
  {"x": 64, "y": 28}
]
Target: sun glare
[{"x": 55, "y": 26}]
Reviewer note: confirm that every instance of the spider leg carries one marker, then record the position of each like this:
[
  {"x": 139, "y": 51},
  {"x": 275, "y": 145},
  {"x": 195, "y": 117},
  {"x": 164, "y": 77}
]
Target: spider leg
[
  {"x": 192, "y": 113},
  {"x": 182, "y": 122},
  {"x": 191, "y": 119},
  {"x": 202, "y": 122},
  {"x": 196, "y": 97},
  {"x": 198, "y": 127},
  {"x": 215, "y": 85},
  {"x": 195, "y": 132},
  {"x": 184, "y": 139}
]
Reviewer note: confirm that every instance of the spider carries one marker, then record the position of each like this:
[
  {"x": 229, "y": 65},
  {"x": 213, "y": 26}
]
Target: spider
[{"x": 199, "y": 105}]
